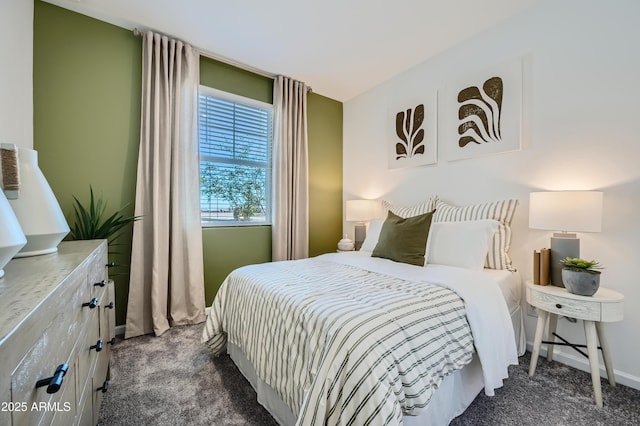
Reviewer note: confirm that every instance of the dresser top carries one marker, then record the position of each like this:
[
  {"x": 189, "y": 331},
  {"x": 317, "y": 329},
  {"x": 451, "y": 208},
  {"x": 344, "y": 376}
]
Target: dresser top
[{"x": 29, "y": 280}]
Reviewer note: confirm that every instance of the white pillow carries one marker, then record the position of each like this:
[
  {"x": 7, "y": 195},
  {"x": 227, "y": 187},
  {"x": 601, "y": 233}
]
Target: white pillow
[
  {"x": 373, "y": 233},
  {"x": 462, "y": 244},
  {"x": 502, "y": 211}
]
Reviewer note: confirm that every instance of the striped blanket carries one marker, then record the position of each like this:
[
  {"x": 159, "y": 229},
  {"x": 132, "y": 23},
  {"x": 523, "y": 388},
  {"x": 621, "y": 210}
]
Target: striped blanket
[{"x": 341, "y": 344}]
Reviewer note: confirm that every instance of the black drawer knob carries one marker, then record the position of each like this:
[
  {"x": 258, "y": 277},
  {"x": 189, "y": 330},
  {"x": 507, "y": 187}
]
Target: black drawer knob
[
  {"x": 109, "y": 306},
  {"x": 91, "y": 304},
  {"x": 104, "y": 387},
  {"x": 54, "y": 382},
  {"x": 98, "y": 346},
  {"x": 100, "y": 284},
  {"x": 111, "y": 264},
  {"x": 559, "y": 306},
  {"x": 112, "y": 341}
]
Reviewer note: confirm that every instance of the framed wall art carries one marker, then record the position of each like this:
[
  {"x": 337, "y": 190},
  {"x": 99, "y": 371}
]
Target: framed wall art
[
  {"x": 481, "y": 114},
  {"x": 412, "y": 139}
]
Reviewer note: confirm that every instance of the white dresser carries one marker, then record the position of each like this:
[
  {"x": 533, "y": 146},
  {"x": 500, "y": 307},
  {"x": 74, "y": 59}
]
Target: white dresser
[{"x": 57, "y": 325}]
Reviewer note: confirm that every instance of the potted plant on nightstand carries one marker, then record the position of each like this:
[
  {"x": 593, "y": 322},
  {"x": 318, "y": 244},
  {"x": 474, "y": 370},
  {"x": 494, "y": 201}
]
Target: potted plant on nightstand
[{"x": 581, "y": 276}]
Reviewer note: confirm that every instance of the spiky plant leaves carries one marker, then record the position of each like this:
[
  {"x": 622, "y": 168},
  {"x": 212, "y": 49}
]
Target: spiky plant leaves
[{"x": 89, "y": 222}]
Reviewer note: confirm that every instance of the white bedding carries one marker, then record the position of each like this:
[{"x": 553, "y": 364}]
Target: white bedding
[{"x": 487, "y": 312}]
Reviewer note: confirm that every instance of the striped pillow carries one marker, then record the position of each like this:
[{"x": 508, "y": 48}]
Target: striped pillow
[
  {"x": 502, "y": 211},
  {"x": 418, "y": 209}
]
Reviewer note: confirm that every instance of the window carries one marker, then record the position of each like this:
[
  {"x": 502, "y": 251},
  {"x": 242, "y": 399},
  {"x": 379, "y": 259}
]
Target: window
[{"x": 235, "y": 159}]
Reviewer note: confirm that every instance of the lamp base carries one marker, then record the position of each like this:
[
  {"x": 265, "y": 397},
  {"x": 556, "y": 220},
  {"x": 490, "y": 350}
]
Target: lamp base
[
  {"x": 562, "y": 245},
  {"x": 360, "y": 232}
]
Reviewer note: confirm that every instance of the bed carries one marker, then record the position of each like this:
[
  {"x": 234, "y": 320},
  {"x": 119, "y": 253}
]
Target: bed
[{"x": 354, "y": 338}]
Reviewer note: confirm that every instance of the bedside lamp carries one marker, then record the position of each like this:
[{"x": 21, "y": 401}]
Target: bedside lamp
[
  {"x": 360, "y": 211},
  {"x": 568, "y": 212}
]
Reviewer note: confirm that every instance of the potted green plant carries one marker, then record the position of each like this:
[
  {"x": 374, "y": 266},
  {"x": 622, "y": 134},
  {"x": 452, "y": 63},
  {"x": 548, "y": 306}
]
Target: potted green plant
[
  {"x": 90, "y": 223},
  {"x": 581, "y": 276}
]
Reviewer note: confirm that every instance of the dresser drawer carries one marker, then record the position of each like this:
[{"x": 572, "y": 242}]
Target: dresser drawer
[
  {"x": 583, "y": 309},
  {"x": 97, "y": 273}
]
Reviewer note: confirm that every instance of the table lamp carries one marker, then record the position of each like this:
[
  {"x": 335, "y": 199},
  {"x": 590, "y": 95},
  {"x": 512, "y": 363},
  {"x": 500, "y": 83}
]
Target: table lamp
[
  {"x": 11, "y": 236},
  {"x": 568, "y": 212},
  {"x": 34, "y": 204},
  {"x": 361, "y": 212}
]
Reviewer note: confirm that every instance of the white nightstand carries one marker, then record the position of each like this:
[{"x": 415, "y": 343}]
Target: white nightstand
[{"x": 604, "y": 306}]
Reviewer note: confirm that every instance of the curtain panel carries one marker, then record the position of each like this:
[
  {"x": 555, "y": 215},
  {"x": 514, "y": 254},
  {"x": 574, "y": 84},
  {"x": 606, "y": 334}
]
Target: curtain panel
[
  {"x": 166, "y": 285},
  {"x": 290, "y": 207}
]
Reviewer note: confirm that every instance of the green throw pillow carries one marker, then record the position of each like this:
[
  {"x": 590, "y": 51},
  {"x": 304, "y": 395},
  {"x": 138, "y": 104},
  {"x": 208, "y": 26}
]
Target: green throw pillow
[{"x": 404, "y": 240}]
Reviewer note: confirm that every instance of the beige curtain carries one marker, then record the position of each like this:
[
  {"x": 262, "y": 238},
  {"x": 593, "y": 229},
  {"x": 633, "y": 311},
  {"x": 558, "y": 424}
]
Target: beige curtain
[
  {"x": 167, "y": 286},
  {"x": 290, "y": 209}
]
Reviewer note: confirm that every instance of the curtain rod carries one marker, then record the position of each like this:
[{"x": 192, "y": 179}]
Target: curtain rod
[{"x": 222, "y": 59}]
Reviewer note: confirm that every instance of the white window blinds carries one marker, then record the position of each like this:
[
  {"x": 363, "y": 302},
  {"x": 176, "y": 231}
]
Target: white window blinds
[{"x": 235, "y": 159}]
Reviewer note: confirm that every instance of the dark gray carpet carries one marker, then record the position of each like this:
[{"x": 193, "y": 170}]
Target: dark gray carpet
[{"x": 174, "y": 380}]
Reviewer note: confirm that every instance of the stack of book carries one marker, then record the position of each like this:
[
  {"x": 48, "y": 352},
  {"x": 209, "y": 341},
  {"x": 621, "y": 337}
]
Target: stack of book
[{"x": 541, "y": 266}]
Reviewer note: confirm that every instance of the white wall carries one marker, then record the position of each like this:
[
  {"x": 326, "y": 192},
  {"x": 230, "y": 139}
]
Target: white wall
[
  {"x": 581, "y": 111},
  {"x": 16, "y": 72}
]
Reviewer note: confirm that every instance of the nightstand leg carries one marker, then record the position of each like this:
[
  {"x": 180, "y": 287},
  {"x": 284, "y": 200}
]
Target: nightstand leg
[
  {"x": 592, "y": 349},
  {"x": 542, "y": 321},
  {"x": 606, "y": 355},
  {"x": 553, "y": 324}
]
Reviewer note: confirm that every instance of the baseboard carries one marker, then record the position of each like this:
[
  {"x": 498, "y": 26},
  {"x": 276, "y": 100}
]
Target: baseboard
[{"x": 582, "y": 363}]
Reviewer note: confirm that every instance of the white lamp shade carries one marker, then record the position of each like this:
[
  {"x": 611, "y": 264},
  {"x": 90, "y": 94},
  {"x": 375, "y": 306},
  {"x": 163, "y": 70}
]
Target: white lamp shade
[
  {"x": 37, "y": 209},
  {"x": 361, "y": 210},
  {"x": 574, "y": 211},
  {"x": 12, "y": 238}
]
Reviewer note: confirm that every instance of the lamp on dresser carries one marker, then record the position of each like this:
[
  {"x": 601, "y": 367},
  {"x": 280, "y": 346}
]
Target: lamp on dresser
[
  {"x": 568, "y": 212},
  {"x": 360, "y": 212},
  {"x": 12, "y": 238},
  {"x": 33, "y": 202}
]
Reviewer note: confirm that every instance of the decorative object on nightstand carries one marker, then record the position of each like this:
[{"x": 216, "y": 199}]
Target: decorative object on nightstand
[
  {"x": 604, "y": 306},
  {"x": 575, "y": 211},
  {"x": 361, "y": 212},
  {"x": 581, "y": 276},
  {"x": 12, "y": 238},
  {"x": 345, "y": 244},
  {"x": 36, "y": 207}
]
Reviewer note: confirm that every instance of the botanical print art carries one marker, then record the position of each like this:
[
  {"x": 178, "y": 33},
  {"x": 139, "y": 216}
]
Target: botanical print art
[
  {"x": 482, "y": 114},
  {"x": 413, "y": 141}
]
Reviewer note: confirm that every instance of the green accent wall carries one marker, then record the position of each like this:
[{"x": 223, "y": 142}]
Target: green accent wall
[
  {"x": 86, "y": 114},
  {"x": 324, "y": 131},
  {"x": 87, "y": 85}
]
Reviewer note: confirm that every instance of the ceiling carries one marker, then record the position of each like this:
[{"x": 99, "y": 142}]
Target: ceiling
[{"x": 340, "y": 48}]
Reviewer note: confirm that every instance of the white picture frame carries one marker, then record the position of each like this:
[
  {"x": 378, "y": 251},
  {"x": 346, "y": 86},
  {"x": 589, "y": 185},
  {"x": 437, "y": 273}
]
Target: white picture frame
[
  {"x": 482, "y": 114},
  {"x": 413, "y": 132}
]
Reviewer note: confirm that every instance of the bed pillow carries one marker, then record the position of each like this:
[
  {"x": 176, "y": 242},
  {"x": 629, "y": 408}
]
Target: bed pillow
[
  {"x": 502, "y": 211},
  {"x": 404, "y": 239},
  {"x": 462, "y": 244},
  {"x": 373, "y": 233},
  {"x": 411, "y": 211}
]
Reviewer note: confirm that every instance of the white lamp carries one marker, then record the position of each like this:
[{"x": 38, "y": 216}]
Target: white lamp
[
  {"x": 36, "y": 208},
  {"x": 574, "y": 211},
  {"x": 360, "y": 211},
  {"x": 12, "y": 238}
]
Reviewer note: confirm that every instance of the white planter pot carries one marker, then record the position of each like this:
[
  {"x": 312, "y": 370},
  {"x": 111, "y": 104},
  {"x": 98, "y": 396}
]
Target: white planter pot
[{"x": 580, "y": 282}]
